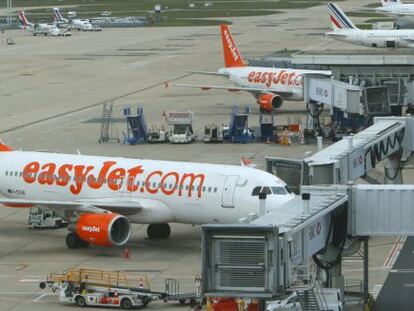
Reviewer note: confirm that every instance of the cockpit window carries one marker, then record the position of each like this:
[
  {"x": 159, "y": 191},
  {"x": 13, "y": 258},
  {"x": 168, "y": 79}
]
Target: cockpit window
[
  {"x": 288, "y": 189},
  {"x": 278, "y": 190},
  {"x": 266, "y": 190},
  {"x": 256, "y": 190}
]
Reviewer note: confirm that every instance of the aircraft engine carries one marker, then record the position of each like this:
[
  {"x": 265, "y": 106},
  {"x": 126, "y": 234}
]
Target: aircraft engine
[
  {"x": 102, "y": 229},
  {"x": 269, "y": 101}
]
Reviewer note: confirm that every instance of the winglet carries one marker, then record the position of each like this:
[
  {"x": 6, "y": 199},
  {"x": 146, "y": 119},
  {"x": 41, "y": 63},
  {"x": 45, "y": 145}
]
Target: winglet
[
  {"x": 4, "y": 147},
  {"x": 232, "y": 56}
]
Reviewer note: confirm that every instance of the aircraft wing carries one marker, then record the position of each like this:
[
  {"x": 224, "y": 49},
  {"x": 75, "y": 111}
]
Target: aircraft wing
[
  {"x": 124, "y": 206},
  {"x": 234, "y": 89}
]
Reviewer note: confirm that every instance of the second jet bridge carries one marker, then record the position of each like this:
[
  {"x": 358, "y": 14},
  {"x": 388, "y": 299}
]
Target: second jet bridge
[{"x": 351, "y": 158}]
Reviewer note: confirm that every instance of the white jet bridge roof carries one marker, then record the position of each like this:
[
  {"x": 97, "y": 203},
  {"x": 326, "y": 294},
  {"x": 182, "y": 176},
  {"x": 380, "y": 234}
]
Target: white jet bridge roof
[
  {"x": 290, "y": 217},
  {"x": 357, "y": 57},
  {"x": 366, "y": 137}
]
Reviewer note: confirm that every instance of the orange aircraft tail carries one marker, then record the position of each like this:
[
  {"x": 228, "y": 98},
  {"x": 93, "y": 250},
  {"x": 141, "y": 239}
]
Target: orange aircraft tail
[
  {"x": 4, "y": 147},
  {"x": 232, "y": 56}
]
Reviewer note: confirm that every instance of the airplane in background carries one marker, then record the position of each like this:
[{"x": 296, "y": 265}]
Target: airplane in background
[
  {"x": 402, "y": 12},
  {"x": 101, "y": 196},
  {"x": 79, "y": 24},
  {"x": 345, "y": 30},
  {"x": 270, "y": 86},
  {"x": 41, "y": 28}
]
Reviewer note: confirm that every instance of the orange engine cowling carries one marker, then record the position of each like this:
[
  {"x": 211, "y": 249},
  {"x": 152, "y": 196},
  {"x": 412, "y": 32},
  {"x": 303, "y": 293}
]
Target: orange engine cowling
[
  {"x": 269, "y": 102},
  {"x": 103, "y": 229}
]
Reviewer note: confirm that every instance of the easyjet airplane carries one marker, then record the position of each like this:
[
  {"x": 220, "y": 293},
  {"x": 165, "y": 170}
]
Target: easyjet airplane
[
  {"x": 101, "y": 196},
  {"x": 270, "y": 86}
]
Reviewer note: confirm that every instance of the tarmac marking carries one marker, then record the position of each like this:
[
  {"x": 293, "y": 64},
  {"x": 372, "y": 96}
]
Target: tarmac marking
[
  {"x": 394, "y": 252},
  {"x": 402, "y": 271},
  {"x": 31, "y": 280},
  {"x": 37, "y": 299},
  {"x": 376, "y": 290}
]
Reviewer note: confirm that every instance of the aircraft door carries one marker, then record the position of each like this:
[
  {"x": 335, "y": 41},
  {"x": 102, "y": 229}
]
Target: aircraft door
[{"x": 228, "y": 191}]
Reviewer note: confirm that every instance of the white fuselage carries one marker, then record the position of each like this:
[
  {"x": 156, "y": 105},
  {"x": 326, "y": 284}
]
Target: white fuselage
[
  {"x": 275, "y": 80},
  {"x": 401, "y": 12},
  {"x": 43, "y": 29},
  {"x": 81, "y": 24},
  {"x": 375, "y": 38},
  {"x": 192, "y": 193}
]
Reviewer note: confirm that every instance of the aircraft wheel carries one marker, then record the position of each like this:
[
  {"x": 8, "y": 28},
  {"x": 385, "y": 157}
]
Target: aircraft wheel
[
  {"x": 158, "y": 231},
  {"x": 73, "y": 241}
]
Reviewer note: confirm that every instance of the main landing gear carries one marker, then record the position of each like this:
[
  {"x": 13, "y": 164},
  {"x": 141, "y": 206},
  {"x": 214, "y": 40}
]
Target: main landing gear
[
  {"x": 74, "y": 241},
  {"x": 158, "y": 231}
]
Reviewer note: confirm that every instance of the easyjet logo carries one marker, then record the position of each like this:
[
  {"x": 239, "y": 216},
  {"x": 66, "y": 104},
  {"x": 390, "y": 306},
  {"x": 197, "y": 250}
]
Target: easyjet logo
[
  {"x": 231, "y": 46},
  {"x": 91, "y": 229},
  {"x": 275, "y": 78},
  {"x": 77, "y": 177}
]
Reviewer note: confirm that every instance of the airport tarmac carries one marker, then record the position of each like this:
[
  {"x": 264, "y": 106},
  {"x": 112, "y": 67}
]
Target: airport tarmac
[{"x": 52, "y": 87}]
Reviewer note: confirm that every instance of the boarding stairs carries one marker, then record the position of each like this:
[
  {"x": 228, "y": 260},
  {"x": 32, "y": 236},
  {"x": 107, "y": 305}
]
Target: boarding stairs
[
  {"x": 309, "y": 293},
  {"x": 239, "y": 126},
  {"x": 137, "y": 131},
  {"x": 108, "y": 131}
]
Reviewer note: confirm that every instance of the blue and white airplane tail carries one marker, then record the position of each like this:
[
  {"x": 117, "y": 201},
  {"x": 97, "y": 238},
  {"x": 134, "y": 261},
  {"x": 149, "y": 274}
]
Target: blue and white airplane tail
[
  {"x": 58, "y": 16},
  {"x": 390, "y": 2},
  {"x": 338, "y": 18}
]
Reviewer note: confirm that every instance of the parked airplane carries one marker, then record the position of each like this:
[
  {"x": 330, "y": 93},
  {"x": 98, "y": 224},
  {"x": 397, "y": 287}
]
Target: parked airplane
[
  {"x": 79, "y": 24},
  {"x": 101, "y": 196},
  {"x": 345, "y": 30},
  {"x": 270, "y": 86},
  {"x": 41, "y": 29},
  {"x": 402, "y": 12}
]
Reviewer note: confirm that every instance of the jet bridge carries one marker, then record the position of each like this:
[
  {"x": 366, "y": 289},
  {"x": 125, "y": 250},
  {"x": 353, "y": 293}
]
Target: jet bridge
[
  {"x": 352, "y": 157},
  {"x": 266, "y": 258}
]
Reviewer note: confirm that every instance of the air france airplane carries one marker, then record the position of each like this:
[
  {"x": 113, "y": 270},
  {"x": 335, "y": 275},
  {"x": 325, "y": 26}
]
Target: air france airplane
[
  {"x": 79, "y": 24},
  {"x": 40, "y": 29},
  {"x": 345, "y": 30},
  {"x": 402, "y": 12},
  {"x": 101, "y": 196},
  {"x": 270, "y": 86}
]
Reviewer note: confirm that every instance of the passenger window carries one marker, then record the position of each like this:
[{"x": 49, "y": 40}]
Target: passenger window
[
  {"x": 209, "y": 189},
  {"x": 16, "y": 174},
  {"x": 7, "y": 173},
  {"x": 256, "y": 190},
  {"x": 215, "y": 189}
]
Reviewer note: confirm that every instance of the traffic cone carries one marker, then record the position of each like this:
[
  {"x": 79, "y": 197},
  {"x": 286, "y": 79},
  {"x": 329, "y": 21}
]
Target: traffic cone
[
  {"x": 126, "y": 253},
  {"x": 141, "y": 283}
]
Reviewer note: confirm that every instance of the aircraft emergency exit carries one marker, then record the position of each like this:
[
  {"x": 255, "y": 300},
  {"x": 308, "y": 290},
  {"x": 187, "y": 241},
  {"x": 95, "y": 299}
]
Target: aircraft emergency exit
[
  {"x": 101, "y": 196},
  {"x": 345, "y": 30},
  {"x": 271, "y": 86}
]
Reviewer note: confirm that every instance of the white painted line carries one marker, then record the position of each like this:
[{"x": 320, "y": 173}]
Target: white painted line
[
  {"x": 40, "y": 297},
  {"x": 31, "y": 280},
  {"x": 394, "y": 251},
  {"x": 409, "y": 285},
  {"x": 402, "y": 271},
  {"x": 376, "y": 290}
]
